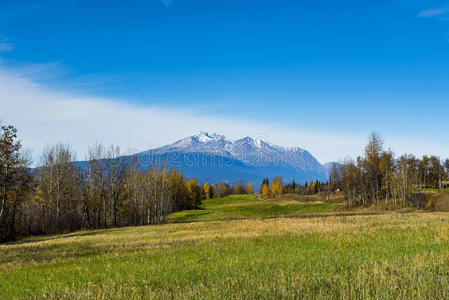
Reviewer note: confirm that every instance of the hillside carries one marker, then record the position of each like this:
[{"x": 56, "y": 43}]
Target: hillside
[{"x": 250, "y": 206}]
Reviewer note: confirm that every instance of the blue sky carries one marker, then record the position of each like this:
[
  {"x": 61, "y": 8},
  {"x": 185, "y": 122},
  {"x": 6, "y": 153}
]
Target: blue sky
[{"x": 318, "y": 70}]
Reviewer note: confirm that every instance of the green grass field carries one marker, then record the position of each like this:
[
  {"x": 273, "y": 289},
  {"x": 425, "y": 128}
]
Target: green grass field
[
  {"x": 390, "y": 255},
  {"x": 249, "y": 206}
]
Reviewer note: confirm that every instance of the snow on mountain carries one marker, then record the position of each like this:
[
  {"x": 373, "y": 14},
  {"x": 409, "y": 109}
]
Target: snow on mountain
[
  {"x": 213, "y": 158},
  {"x": 262, "y": 153},
  {"x": 198, "y": 143}
]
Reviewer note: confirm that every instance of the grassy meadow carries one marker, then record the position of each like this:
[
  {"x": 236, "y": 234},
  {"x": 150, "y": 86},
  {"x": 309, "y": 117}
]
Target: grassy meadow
[
  {"x": 249, "y": 206},
  {"x": 232, "y": 250}
]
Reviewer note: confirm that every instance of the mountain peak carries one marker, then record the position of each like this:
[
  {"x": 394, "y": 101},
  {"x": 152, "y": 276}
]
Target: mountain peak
[
  {"x": 259, "y": 141},
  {"x": 211, "y": 157},
  {"x": 206, "y": 137},
  {"x": 247, "y": 139}
]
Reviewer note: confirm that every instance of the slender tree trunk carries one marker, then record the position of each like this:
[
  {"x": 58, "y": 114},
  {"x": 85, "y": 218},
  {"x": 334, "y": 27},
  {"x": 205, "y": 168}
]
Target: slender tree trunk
[
  {"x": 13, "y": 215},
  {"x": 4, "y": 196},
  {"x": 3, "y": 207},
  {"x": 115, "y": 209}
]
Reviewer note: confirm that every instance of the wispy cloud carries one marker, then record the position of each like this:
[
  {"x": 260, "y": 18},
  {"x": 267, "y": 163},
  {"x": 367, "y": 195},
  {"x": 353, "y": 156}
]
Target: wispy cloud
[
  {"x": 44, "y": 116},
  {"x": 5, "y": 44},
  {"x": 433, "y": 12}
]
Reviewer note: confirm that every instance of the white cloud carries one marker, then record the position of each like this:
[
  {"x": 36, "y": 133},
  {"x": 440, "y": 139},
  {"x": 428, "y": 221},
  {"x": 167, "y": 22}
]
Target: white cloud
[
  {"x": 44, "y": 117},
  {"x": 433, "y": 12}
]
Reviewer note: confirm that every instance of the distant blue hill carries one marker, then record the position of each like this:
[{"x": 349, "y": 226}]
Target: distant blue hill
[{"x": 328, "y": 166}]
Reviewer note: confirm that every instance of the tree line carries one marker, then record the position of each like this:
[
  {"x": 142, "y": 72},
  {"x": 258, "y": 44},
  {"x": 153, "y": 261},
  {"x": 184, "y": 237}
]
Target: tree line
[
  {"x": 223, "y": 189},
  {"x": 380, "y": 177},
  {"x": 107, "y": 190},
  {"x": 376, "y": 178},
  {"x": 277, "y": 187}
]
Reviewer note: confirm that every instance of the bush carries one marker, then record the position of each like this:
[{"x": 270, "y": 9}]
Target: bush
[{"x": 419, "y": 200}]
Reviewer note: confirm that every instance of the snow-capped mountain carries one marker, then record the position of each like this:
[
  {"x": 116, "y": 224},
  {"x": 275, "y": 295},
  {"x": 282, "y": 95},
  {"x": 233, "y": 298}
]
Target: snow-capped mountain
[
  {"x": 213, "y": 158},
  {"x": 200, "y": 143}
]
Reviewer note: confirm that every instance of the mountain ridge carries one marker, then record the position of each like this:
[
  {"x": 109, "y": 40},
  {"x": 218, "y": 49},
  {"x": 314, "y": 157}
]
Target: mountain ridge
[{"x": 211, "y": 157}]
